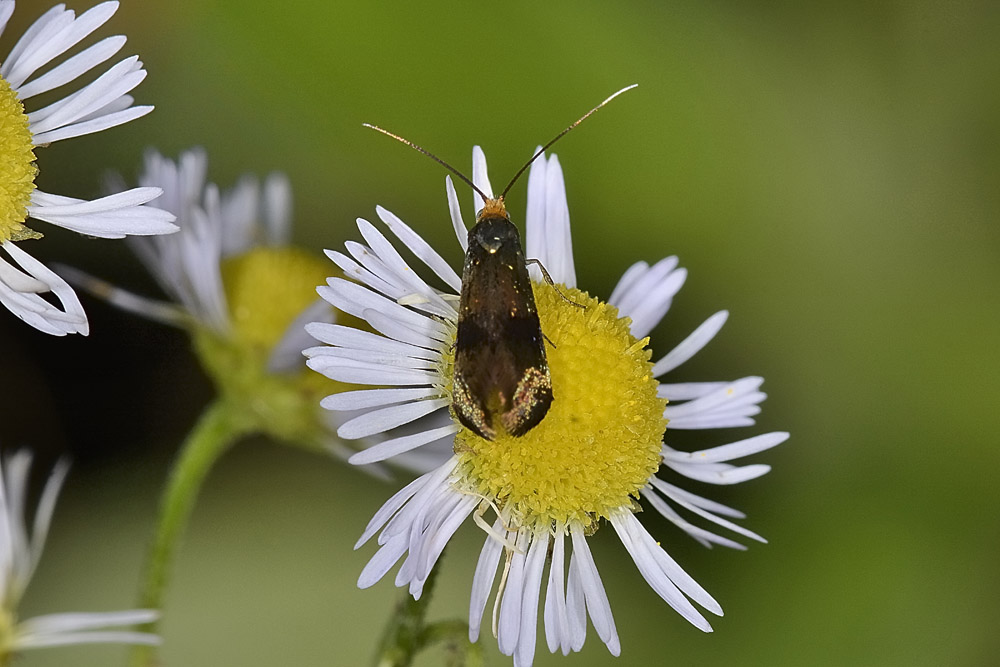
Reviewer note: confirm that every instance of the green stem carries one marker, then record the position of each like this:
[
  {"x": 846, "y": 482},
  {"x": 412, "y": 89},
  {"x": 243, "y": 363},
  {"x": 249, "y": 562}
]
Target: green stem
[
  {"x": 459, "y": 651},
  {"x": 401, "y": 639},
  {"x": 406, "y": 634},
  {"x": 219, "y": 427}
]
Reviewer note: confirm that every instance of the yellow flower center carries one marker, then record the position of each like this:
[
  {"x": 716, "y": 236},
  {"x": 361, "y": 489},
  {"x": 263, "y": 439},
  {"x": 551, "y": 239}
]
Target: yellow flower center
[
  {"x": 600, "y": 441},
  {"x": 8, "y": 628},
  {"x": 17, "y": 167},
  {"x": 266, "y": 289}
]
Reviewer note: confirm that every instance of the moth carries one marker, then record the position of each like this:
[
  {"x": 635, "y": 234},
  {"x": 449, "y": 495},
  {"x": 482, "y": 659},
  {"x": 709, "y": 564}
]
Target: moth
[{"x": 501, "y": 374}]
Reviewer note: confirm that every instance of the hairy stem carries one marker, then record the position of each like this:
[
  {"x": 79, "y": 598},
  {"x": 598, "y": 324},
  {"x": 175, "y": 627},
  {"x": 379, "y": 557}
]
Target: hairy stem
[{"x": 219, "y": 427}]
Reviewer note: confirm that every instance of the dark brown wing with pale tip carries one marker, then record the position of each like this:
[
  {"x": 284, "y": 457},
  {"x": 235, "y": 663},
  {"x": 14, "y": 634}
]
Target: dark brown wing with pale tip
[{"x": 501, "y": 375}]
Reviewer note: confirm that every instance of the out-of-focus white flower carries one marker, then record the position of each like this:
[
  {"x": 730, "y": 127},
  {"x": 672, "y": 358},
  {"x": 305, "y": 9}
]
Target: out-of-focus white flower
[{"x": 20, "y": 550}]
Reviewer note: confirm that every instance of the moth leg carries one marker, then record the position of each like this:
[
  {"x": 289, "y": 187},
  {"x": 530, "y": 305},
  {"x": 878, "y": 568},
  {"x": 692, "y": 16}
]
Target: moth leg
[
  {"x": 548, "y": 279},
  {"x": 551, "y": 342}
]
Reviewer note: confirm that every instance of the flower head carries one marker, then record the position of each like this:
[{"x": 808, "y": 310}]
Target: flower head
[
  {"x": 241, "y": 291},
  {"x": 596, "y": 453},
  {"x": 26, "y": 72},
  {"x": 20, "y": 550}
]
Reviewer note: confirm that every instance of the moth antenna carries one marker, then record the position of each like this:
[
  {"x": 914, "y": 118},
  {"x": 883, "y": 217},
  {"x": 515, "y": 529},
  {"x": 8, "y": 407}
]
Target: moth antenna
[
  {"x": 435, "y": 157},
  {"x": 546, "y": 146}
]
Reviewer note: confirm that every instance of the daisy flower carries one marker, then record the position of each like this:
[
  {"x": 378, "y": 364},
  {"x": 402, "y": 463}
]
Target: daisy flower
[
  {"x": 20, "y": 550},
  {"x": 26, "y": 72},
  {"x": 240, "y": 290},
  {"x": 596, "y": 454}
]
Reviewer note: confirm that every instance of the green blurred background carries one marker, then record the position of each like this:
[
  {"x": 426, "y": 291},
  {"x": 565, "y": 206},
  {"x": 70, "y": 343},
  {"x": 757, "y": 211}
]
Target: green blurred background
[{"x": 828, "y": 173}]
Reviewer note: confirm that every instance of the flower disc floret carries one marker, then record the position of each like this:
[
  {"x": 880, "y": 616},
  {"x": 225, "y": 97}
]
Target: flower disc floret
[
  {"x": 601, "y": 440},
  {"x": 17, "y": 167},
  {"x": 267, "y": 288}
]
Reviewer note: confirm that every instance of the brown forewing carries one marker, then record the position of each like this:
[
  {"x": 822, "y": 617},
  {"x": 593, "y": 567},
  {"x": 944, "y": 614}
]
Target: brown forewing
[{"x": 500, "y": 368}]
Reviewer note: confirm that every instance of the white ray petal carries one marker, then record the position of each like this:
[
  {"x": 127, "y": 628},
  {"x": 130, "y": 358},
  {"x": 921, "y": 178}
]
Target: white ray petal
[
  {"x": 534, "y": 216},
  {"x": 625, "y": 283},
  {"x": 558, "y": 238},
  {"x": 733, "y": 450},
  {"x": 360, "y": 399},
  {"x": 395, "y": 446},
  {"x": 461, "y": 231},
  {"x": 597, "y": 598},
  {"x": 482, "y": 580},
  {"x": 480, "y": 177},
  {"x": 73, "y": 67},
  {"x": 420, "y": 248},
  {"x": 691, "y": 345},
  {"x": 509, "y": 626},
  {"x": 533, "y": 566},
  {"x": 384, "y": 419}
]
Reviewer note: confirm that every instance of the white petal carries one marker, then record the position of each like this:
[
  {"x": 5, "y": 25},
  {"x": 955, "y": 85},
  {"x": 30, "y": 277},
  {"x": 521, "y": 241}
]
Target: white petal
[
  {"x": 369, "y": 398},
  {"x": 349, "y": 337},
  {"x": 558, "y": 239},
  {"x": 704, "y": 537},
  {"x": 719, "y": 473},
  {"x": 684, "y": 391},
  {"x": 421, "y": 249},
  {"x": 734, "y": 450},
  {"x": 625, "y": 283},
  {"x": 461, "y": 231},
  {"x": 383, "y": 560},
  {"x": 111, "y": 217},
  {"x": 667, "y": 490},
  {"x": 481, "y": 178},
  {"x": 711, "y": 403},
  {"x": 482, "y": 580},
  {"x": 6, "y": 9},
  {"x": 384, "y": 419},
  {"x": 58, "y": 37},
  {"x": 43, "y": 513},
  {"x": 691, "y": 345},
  {"x": 659, "y": 579},
  {"x": 25, "y": 642},
  {"x": 557, "y": 631},
  {"x": 91, "y": 123},
  {"x": 354, "y": 372},
  {"x": 533, "y": 567},
  {"x": 76, "y": 621},
  {"x": 699, "y": 501},
  {"x": 395, "y": 446},
  {"x": 38, "y": 312},
  {"x": 355, "y": 300},
  {"x": 331, "y": 354},
  {"x": 534, "y": 217},
  {"x": 576, "y": 604},
  {"x": 390, "y": 507},
  {"x": 509, "y": 625},
  {"x": 631, "y": 300},
  {"x": 159, "y": 311},
  {"x": 55, "y": 15},
  {"x": 365, "y": 275},
  {"x": 388, "y": 254},
  {"x": 400, "y": 331},
  {"x": 438, "y": 539},
  {"x": 593, "y": 589},
  {"x": 277, "y": 204},
  {"x": 71, "y": 68},
  {"x": 114, "y": 83},
  {"x": 648, "y": 313}
]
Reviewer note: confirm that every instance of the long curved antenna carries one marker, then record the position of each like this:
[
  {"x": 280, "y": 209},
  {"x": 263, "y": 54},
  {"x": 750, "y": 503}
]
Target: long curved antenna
[
  {"x": 558, "y": 137},
  {"x": 435, "y": 157}
]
